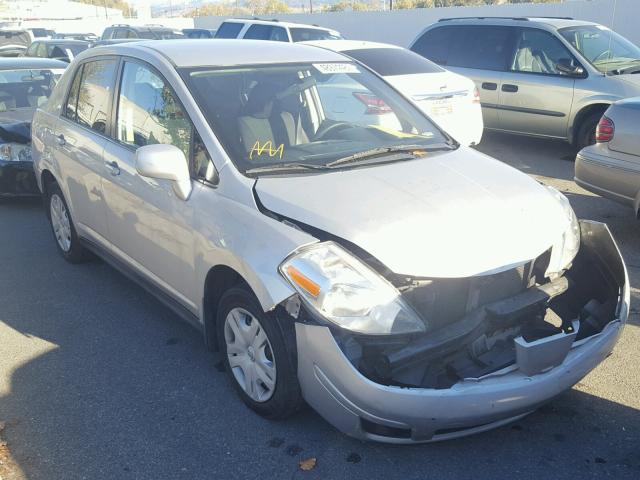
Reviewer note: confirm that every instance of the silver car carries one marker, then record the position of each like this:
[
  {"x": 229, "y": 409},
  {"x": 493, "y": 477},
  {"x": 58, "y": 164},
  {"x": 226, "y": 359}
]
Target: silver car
[
  {"x": 408, "y": 288},
  {"x": 547, "y": 77},
  {"x": 611, "y": 167}
]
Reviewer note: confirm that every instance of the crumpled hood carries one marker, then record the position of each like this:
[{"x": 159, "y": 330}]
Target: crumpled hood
[{"x": 449, "y": 214}]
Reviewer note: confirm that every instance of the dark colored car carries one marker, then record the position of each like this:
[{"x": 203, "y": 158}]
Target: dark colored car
[
  {"x": 148, "y": 32},
  {"x": 88, "y": 37},
  {"x": 42, "y": 32},
  {"x": 25, "y": 84},
  {"x": 199, "y": 32},
  {"x": 13, "y": 42},
  {"x": 59, "y": 49}
]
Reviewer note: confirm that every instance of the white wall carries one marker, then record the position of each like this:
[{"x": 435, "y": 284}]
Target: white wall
[{"x": 402, "y": 26}]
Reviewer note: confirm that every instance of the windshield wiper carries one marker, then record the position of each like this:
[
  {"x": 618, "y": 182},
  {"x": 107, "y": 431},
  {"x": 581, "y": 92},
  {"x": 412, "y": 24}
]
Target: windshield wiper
[
  {"x": 382, "y": 152},
  {"x": 631, "y": 67},
  {"x": 279, "y": 167}
]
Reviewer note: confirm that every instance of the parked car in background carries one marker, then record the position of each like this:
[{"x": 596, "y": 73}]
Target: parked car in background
[
  {"x": 14, "y": 42},
  {"x": 409, "y": 288},
  {"x": 59, "y": 49},
  {"x": 255, "y": 29},
  {"x": 88, "y": 37},
  {"x": 42, "y": 32},
  {"x": 199, "y": 32},
  {"x": 25, "y": 84},
  {"x": 449, "y": 99},
  {"x": 548, "y": 77},
  {"x": 611, "y": 167},
  {"x": 148, "y": 32}
]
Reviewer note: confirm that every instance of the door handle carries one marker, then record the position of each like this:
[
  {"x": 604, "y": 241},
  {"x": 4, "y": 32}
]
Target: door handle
[
  {"x": 115, "y": 169},
  {"x": 489, "y": 86},
  {"x": 61, "y": 140},
  {"x": 507, "y": 87}
]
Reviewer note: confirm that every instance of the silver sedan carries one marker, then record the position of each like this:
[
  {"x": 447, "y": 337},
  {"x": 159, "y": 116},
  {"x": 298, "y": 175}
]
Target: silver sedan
[{"x": 611, "y": 167}]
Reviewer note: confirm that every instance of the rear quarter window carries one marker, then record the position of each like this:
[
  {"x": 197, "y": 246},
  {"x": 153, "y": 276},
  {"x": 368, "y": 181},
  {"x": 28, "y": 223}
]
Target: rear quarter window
[
  {"x": 229, "y": 30},
  {"x": 393, "y": 61}
]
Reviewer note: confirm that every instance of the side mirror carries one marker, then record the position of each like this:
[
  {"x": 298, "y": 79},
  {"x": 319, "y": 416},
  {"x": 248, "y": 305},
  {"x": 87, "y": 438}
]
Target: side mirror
[
  {"x": 166, "y": 162},
  {"x": 566, "y": 66}
]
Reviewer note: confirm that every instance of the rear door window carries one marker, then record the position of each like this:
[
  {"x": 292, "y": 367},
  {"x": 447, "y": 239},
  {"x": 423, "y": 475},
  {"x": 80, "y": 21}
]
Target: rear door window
[
  {"x": 70, "y": 110},
  {"x": 480, "y": 47},
  {"x": 393, "y": 61},
  {"x": 94, "y": 95},
  {"x": 229, "y": 30}
]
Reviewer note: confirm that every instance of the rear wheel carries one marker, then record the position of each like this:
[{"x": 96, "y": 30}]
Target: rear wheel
[
  {"x": 62, "y": 226},
  {"x": 256, "y": 355}
]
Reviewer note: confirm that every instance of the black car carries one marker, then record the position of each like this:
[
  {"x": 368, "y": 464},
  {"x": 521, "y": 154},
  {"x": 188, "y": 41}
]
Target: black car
[
  {"x": 199, "y": 32},
  {"x": 25, "y": 84},
  {"x": 148, "y": 32}
]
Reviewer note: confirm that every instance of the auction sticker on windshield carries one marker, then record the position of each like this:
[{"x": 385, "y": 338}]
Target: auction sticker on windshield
[{"x": 330, "y": 68}]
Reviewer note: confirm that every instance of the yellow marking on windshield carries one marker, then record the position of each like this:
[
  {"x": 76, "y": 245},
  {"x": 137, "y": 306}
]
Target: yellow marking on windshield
[
  {"x": 267, "y": 146},
  {"x": 399, "y": 134}
]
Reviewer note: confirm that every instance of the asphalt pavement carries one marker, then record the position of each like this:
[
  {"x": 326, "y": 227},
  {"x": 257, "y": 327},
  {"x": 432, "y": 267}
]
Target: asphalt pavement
[{"x": 100, "y": 381}]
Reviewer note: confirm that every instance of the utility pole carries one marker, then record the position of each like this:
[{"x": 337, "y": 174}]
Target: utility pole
[
  {"x": 310, "y": 6},
  {"x": 106, "y": 12}
]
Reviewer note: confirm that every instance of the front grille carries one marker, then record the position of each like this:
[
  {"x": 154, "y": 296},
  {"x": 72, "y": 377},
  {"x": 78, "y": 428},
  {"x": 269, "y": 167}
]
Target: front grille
[{"x": 441, "y": 301}]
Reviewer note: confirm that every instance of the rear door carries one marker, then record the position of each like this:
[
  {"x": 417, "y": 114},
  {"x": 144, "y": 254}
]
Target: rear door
[
  {"x": 79, "y": 144},
  {"x": 148, "y": 223},
  {"x": 478, "y": 52},
  {"x": 535, "y": 96}
]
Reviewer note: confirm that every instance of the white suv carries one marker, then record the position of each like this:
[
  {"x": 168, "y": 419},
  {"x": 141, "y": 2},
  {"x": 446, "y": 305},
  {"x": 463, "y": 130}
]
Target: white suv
[{"x": 274, "y": 30}]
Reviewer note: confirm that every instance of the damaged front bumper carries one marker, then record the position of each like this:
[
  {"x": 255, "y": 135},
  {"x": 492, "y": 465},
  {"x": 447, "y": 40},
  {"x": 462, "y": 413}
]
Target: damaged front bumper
[
  {"x": 542, "y": 368},
  {"x": 17, "y": 179}
]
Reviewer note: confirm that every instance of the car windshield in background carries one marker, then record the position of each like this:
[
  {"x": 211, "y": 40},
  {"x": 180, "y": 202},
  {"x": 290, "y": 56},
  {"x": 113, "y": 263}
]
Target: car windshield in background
[
  {"x": 310, "y": 116},
  {"x": 393, "y": 61},
  {"x": 310, "y": 34},
  {"x": 606, "y": 50},
  {"x": 26, "y": 88}
]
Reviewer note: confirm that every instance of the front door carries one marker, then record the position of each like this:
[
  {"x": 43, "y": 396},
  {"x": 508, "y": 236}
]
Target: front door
[
  {"x": 148, "y": 224},
  {"x": 535, "y": 97}
]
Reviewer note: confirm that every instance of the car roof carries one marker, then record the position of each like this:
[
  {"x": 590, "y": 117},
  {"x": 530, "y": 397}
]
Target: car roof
[
  {"x": 145, "y": 27},
  {"x": 277, "y": 22},
  {"x": 554, "y": 22},
  {"x": 227, "y": 52},
  {"x": 10, "y": 63},
  {"x": 344, "y": 45}
]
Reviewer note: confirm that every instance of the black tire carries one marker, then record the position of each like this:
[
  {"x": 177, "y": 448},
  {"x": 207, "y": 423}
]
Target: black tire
[
  {"x": 76, "y": 253},
  {"x": 587, "y": 131},
  {"x": 286, "y": 398}
]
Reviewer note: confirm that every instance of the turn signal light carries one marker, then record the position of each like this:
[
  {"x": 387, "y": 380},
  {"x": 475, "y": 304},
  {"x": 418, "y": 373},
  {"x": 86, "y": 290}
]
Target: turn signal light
[
  {"x": 605, "y": 130},
  {"x": 476, "y": 96},
  {"x": 304, "y": 282}
]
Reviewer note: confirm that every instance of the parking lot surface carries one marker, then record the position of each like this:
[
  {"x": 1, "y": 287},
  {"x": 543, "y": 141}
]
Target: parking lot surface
[{"x": 100, "y": 381}]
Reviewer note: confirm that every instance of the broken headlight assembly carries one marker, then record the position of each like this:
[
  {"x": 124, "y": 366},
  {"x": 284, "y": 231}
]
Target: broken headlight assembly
[
  {"x": 345, "y": 291},
  {"x": 15, "y": 152},
  {"x": 566, "y": 248}
]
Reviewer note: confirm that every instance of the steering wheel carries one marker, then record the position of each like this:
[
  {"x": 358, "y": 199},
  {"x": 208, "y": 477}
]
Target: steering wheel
[
  {"x": 333, "y": 127},
  {"x": 606, "y": 53}
]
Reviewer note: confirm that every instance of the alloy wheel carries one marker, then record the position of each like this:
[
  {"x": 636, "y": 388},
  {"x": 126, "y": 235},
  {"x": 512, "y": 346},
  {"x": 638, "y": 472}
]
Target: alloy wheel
[{"x": 60, "y": 222}]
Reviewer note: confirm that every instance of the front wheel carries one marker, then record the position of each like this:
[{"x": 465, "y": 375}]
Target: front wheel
[
  {"x": 256, "y": 355},
  {"x": 62, "y": 226}
]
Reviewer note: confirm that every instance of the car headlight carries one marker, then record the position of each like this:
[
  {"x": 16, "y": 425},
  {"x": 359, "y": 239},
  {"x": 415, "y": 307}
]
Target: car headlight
[
  {"x": 566, "y": 248},
  {"x": 15, "y": 152},
  {"x": 347, "y": 292}
]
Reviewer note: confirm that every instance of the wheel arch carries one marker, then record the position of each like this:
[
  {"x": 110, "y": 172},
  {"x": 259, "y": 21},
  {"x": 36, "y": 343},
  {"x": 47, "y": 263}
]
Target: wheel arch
[
  {"x": 218, "y": 280},
  {"x": 585, "y": 112}
]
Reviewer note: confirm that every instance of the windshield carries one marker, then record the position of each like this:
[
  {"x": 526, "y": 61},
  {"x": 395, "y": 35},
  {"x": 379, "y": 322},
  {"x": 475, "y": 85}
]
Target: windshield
[
  {"x": 308, "y": 34},
  {"x": 307, "y": 115},
  {"x": 26, "y": 88},
  {"x": 603, "y": 48}
]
